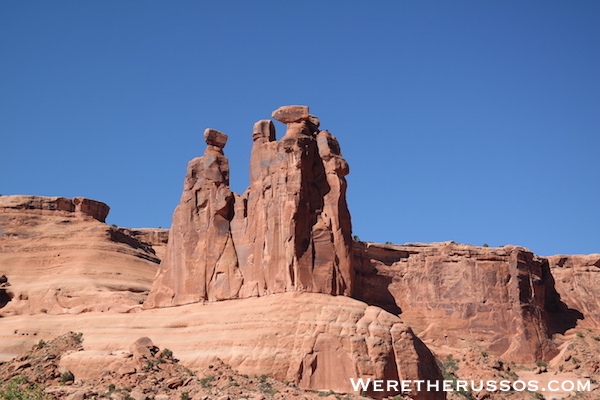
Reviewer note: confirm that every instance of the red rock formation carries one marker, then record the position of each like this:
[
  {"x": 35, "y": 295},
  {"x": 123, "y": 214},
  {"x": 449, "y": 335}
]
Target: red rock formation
[
  {"x": 290, "y": 231},
  {"x": 314, "y": 340},
  {"x": 457, "y": 295},
  {"x": 578, "y": 282},
  {"x": 59, "y": 258},
  {"x": 200, "y": 262},
  {"x": 81, "y": 205}
]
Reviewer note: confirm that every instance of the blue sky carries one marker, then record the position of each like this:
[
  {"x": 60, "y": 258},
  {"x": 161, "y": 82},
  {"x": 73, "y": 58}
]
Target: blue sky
[{"x": 472, "y": 121}]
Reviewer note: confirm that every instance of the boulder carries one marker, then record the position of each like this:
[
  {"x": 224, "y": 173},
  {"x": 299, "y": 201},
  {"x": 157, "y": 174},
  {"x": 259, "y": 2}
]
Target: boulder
[{"x": 289, "y": 114}]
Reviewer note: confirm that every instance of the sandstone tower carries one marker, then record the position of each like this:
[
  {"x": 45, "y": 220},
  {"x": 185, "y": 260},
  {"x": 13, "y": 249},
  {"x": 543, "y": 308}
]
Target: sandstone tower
[{"x": 290, "y": 231}]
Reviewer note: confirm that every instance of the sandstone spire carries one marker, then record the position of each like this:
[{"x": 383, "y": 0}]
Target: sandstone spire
[
  {"x": 290, "y": 231},
  {"x": 200, "y": 263}
]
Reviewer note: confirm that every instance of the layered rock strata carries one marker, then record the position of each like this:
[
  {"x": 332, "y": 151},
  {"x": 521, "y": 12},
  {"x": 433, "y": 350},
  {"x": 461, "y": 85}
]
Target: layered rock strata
[
  {"x": 290, "y": 231},
  {"x": 59, "y": 258},
  {"x": 313, "y": 340},
  {"x": 80, "y": 205},
  {"x": 502, "y": 299}
]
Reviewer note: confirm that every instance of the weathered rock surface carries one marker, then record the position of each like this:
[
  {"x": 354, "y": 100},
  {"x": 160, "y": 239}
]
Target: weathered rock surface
[
  {"x": 61, "y": 260},
  {"x": 577, "y": 280},
  {"x": 289, "y": 114},
  {"x": 290, "y": 231},
  {"x": 314, "y": 340},
  {"x": 502, "y": 299},
  {"x": 156, "y": 238},
  {"x": 80, "y": 205}
]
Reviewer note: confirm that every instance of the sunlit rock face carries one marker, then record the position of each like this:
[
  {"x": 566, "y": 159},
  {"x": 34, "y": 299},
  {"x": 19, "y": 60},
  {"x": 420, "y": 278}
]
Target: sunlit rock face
[
  {"x": 503, "y": 299},
  {"x": 290, "y": 231}
]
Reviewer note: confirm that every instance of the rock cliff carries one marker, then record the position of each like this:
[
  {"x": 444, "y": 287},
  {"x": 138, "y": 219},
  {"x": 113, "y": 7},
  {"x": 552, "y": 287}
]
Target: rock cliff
[
  {"x": 578, "y": 281},
  {"x": 502, "y": 299},
  {"x": 290, "y": 231},
  {"x": 58, "y": 257}
]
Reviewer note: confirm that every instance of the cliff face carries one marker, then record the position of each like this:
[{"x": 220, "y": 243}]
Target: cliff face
[
  {"x": 290, "y": 231},
  {"x": 578, "y": 281},
  {"x": 502, "y": 299},
  {"x": 58, "y": 257}
]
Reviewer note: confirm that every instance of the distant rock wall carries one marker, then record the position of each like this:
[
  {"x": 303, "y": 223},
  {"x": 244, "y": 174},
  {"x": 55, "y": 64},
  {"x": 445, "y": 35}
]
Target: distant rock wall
[
  {"x": 59, "y": 258},
  {"x": 81, "y": 205},
  {"x": 502, "y": 299},
  {"x": 290, "y": 231}
]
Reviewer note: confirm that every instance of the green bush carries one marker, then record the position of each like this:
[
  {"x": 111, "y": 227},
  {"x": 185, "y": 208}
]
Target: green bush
[
  {"x": 19, "y": 388},
  {"x": 166, "y": 353},
  {"x": 67, "y": 376}
]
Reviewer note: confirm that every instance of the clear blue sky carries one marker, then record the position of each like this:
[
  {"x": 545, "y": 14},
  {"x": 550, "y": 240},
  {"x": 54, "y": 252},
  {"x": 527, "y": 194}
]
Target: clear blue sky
[{"x": 472, "y": 121}]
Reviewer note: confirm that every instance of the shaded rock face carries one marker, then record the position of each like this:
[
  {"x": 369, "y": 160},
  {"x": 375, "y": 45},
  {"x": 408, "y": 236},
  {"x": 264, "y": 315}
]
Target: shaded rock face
[
  {"x": 290, "y": 231},
  {"x": 578, "y": 282},
  {"x": 499, "y": 298}
]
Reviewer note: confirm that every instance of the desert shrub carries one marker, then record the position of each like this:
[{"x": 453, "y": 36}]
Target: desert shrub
[
  {"x": 67, "y": 376},
  {"x": 205, "y": 382},
  {"x": 41, "y": 344},
  {"x": 19, "y": 388},
  {"x": 185, "y": 396},
  {"x": 166, "y": 353}
]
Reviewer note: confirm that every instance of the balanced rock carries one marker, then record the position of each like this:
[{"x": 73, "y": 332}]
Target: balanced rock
[
  {"x": 289, "y": 114},
  {"x": 215, "y": 138}
]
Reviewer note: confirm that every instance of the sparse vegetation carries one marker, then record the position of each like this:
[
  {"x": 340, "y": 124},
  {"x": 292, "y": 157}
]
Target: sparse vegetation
[
  {"x": 580, "y": 335},
  {"x": 486, "y": 245},
  {"x": 205, "y": 382},
  {"x": 166, "y": 353},
  {"x": 19, "y": 388},
  {"x": 41, "y": 344},
  {"x": 185, "y": 396},
  {"x": 67, "y": 376}
]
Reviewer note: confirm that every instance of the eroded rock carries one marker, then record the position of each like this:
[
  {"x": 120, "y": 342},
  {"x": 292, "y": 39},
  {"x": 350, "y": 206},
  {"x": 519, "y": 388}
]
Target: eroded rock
[{"x": 290, "y": 231}]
